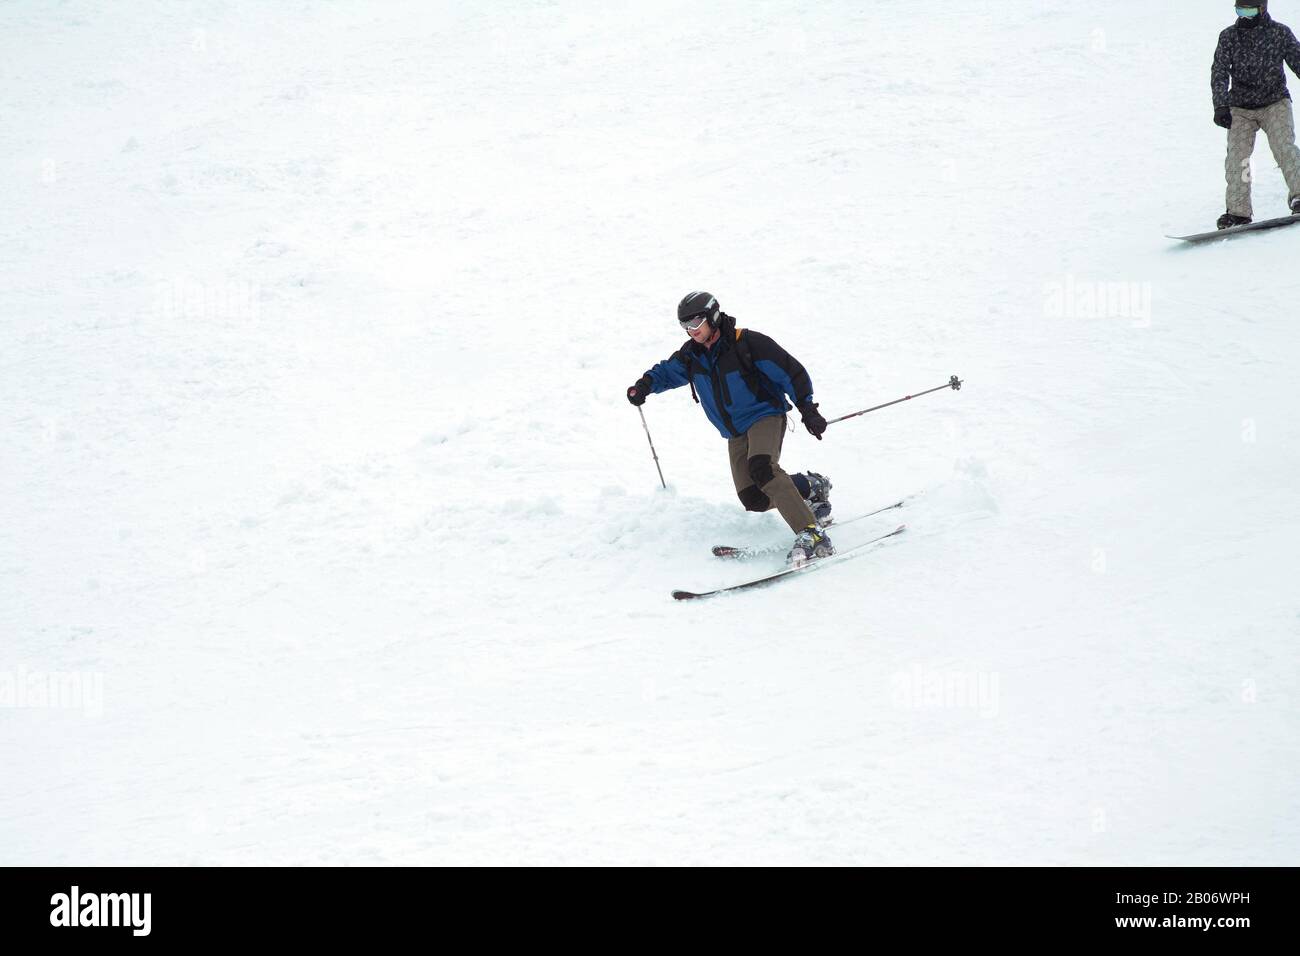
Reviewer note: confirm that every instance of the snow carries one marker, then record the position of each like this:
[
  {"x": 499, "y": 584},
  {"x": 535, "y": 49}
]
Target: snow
[{"x": 321, "y": 506}]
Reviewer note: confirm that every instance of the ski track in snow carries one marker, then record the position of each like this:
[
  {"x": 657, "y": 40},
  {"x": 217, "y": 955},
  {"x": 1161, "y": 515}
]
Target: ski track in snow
[{"x": 316, "y": 323}]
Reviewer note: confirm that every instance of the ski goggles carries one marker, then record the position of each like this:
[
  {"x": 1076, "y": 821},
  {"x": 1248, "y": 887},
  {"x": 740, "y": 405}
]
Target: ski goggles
[
  {"x": 694, "y": 322},
  {"x": 1248, "y": 12}
]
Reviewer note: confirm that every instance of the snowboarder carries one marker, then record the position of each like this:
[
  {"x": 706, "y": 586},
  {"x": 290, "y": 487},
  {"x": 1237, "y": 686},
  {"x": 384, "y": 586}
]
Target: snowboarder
[
  {"x": 741, "y": 378},
  {"x": 1250, "y": 54}
]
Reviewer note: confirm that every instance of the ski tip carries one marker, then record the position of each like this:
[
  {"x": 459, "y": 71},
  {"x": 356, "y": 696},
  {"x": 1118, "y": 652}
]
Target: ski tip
[{"x": 684, "y": 595}]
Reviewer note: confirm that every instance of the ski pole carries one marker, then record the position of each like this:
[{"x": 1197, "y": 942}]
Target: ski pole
[
  {"x": 652, "y": 447},
  {"x": 954, "y": 383}
]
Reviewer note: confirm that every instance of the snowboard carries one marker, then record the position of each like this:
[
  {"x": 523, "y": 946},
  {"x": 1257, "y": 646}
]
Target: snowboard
[{"x": 1238, "y": 230}]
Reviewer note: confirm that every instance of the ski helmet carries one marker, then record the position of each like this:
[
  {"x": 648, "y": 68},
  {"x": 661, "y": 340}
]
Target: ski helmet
[{"x": 696, "y": 304}]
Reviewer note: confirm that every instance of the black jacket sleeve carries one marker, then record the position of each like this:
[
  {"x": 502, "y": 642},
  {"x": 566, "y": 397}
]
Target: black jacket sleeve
[
  {"x": 1291, "y": 53},
  {"x": 1221, "y": 71}
]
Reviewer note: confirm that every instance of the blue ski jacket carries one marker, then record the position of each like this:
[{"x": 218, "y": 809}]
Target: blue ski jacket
[{"x": 743, "y": 377}]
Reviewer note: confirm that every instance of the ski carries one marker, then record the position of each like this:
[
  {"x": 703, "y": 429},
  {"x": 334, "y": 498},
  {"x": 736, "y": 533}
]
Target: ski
[
  {"x": 729, "y": 551},
  {"x": 853, "y": 552}
]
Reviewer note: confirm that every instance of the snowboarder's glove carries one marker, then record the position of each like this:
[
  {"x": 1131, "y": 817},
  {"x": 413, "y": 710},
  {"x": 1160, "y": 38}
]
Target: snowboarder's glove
[
  {"x": 812, "y": 419},
  {"x": 637, "y": 393},
  {"x": 1223, "y": 117}
]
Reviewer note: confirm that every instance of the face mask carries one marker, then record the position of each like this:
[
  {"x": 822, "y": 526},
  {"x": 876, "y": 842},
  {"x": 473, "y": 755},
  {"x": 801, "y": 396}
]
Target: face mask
[{"x": 1247, "y": 12}]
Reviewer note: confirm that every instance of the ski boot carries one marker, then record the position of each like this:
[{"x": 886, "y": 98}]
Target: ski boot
[
  {"x": 1228, "y": 220},
  {"x": 816, "y": 492},
  {"x": 812, "y": 542},
  {"x": 1295, "y": 205},
  {"x": 820, "y": 499}
]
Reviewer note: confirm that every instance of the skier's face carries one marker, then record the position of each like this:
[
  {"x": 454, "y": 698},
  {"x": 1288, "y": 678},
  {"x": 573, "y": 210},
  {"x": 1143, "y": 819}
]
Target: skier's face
[{"x": 704, "y": 335}]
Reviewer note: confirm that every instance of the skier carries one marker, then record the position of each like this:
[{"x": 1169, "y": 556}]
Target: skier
[
  {"x": 741, "y": 379},
  {"x": 1250, "y": 54}
]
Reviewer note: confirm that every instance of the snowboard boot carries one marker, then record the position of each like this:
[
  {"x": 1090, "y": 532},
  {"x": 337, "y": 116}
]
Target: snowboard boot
[
  {"x": 1228, "y": 220},
  {"x": 1295, "y": 205},
  {"x": 812, "y": 542}
]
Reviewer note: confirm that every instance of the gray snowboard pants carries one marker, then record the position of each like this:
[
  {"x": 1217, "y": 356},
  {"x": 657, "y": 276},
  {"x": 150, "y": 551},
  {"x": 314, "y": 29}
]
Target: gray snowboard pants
[
  {"x": 761, "y": 484},
  {"x": 1278, "y": 124}
]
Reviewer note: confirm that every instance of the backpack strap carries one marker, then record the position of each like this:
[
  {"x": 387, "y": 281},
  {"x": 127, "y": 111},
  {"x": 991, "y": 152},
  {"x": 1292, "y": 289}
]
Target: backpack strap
[{"x": 690, "y": 373}]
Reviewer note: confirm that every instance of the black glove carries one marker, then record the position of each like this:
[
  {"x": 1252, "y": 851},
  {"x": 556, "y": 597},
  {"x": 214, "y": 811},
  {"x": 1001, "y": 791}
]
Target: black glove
[
  {"x": 637, "y": 393},
  {"x": 812, "y": 419},
  {"x": 1223, "y": 116}
]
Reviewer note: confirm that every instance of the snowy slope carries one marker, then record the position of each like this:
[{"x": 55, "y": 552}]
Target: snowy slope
[{"x": 321, "y": 505}]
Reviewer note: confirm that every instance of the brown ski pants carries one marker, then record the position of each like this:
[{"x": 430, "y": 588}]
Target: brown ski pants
[{"x": 761, "y": 484}]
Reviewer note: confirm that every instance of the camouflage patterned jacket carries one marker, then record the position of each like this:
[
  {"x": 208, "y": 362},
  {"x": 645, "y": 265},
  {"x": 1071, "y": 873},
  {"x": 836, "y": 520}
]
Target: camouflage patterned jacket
[{"x": 1252, "y": 54}]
